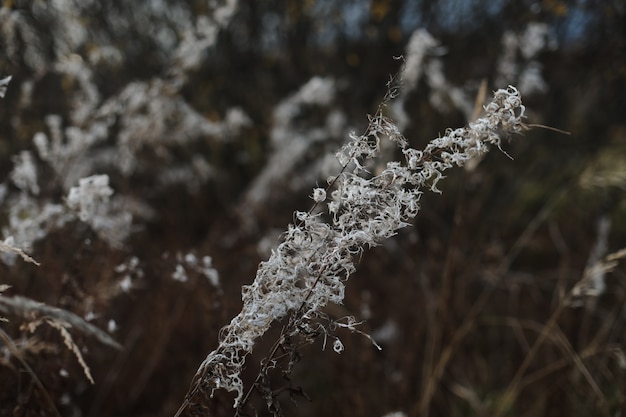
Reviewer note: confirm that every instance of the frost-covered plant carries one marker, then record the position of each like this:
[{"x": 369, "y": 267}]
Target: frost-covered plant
[{"x": 308, "y": 270}]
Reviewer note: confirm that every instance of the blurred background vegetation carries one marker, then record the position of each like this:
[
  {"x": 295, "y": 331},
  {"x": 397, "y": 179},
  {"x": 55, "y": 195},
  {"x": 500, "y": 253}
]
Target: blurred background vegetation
[{"x": 494, "y": 303}]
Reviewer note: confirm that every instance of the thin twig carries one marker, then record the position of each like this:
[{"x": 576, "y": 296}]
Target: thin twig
[{"x": 554, "y": 129}]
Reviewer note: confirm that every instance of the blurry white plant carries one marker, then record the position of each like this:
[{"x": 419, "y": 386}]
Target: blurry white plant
[
  {"x": 518, "y": 62},
  {"x": 309, "y": 268},
  {"x": 88, "y": 196},
  {"x": 291, "y": 142},
  {"x": 91, "y": 201},
  {"x": 4, "y": 83},
  {"x": 190, "y": 263},
  {"x": 24, "y": 174}
]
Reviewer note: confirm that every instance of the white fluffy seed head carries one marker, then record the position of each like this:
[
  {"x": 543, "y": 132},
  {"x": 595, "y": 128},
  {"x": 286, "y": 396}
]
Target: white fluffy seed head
[
  {"x": 319, "y": 195},
  {"x": 309, "y": 268}
]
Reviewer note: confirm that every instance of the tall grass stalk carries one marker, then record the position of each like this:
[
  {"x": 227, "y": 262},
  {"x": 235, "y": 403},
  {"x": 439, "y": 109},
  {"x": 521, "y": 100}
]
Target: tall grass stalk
[{"x": 360, "y": 208}]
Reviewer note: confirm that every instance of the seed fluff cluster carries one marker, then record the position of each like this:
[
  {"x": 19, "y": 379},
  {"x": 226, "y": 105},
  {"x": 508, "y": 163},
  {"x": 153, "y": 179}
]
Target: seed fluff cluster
[{"x": 356, "y": 211}]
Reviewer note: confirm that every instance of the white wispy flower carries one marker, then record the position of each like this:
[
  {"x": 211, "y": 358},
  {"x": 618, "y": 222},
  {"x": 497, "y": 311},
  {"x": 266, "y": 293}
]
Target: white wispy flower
[{"x": 308, "y": 270}]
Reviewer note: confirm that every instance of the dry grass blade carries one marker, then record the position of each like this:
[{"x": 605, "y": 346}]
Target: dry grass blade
[
  {"x": 62, "y": 326},
  {"x": 551, "y": 326},
  {"x": 577, "y": 359},
  {"x": 16, "y": 352},
  {"x": 556, "y": 336},
  {"x": 23, "y": 307},
  {"x": 5, "y": 247},
  {"x": 437, "y": 371},
  {"x": 620, "y": 254}
]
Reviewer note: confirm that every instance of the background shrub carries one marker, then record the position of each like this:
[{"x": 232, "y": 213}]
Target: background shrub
[{"x": 213, "y": 121}]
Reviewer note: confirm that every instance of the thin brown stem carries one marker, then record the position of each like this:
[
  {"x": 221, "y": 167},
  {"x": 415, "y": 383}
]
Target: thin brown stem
[
  {"x": 554, "y": 129},
  {"x": 16, "y": 352}
]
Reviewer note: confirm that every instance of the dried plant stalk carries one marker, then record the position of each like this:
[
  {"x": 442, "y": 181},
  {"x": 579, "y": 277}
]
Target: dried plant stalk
[
  {"x": 309, "y": 268},
  {"x": 25, "y": 307}
]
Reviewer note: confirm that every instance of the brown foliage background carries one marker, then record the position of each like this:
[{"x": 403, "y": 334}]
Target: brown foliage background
[{"x": 468, "y": 304}]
